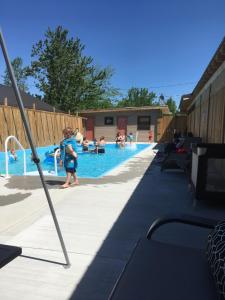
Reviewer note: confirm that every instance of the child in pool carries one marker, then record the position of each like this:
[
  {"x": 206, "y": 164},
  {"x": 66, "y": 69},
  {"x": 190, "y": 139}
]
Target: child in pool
[
  {"x": 100, "y": 146},
  {"x": 85, "y": 145},
  {"x": 52, "y": 153},
  {"x": 68, "y": 152},
  {"x": 13, "y": 155},
  {"x": 130, "y": 137},
  {"x": 120, "y": 140}
]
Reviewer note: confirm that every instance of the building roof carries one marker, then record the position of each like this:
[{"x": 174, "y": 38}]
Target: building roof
[
  {"x": 185, "y": 101},
  {"x": 28, "y": 100},
  {"x": 125, "y": 109},
  {"x": 216, "y": 61}
]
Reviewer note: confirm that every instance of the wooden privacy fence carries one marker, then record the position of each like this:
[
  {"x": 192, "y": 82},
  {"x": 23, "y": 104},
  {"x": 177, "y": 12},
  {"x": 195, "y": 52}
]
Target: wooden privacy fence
[
  {"x": 46, "y": 127},
  {"x": 167, "y": 124},
  {"x": 207, "y": 116}
]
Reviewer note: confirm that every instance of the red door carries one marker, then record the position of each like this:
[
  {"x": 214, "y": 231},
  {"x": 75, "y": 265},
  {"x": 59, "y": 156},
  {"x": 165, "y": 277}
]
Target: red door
[
  {"x": 122, "y": 125},
  {"x": 90, "y": 128}
]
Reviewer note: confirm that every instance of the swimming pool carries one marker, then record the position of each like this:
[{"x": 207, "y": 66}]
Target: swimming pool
[{"x": 90, "y": 165}]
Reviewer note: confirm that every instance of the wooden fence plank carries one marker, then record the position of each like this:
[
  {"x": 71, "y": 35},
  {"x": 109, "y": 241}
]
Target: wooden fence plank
[
  {"x": 3, "y": 128},
  {"x": 46, "y": 127},
  {"x": 8, "y": 116},
  {"x": 31, "y": 114},
  {"x": 20, "y": 132}
]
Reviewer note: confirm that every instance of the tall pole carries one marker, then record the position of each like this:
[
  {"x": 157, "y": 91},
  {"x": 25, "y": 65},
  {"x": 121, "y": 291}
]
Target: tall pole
[{"x": 29, "y": 136}]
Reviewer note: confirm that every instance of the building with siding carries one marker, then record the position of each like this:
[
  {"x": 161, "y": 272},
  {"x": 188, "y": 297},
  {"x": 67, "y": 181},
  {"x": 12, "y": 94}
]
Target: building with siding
[{"x": 138, "y": 120}]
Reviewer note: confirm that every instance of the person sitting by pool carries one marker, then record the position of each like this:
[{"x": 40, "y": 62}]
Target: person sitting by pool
[
  {"x": 99, "y": 146},
  {"x": 85, "y": 145},
  {"x": 95, "y": 142},
  {"x": 12, "y": 155},
  {"x": 130, "y": 137},
  {"x": 120, "y": 140},
  {"x": 78, "y": 136},
  {"x": 123, "y": 141},
  {"x": 117, "y": 138}
]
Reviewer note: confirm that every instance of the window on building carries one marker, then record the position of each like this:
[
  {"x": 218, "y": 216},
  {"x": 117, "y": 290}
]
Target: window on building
[
  {"x": 143, "y": 123},
  {"x": 109, "y": 120}
]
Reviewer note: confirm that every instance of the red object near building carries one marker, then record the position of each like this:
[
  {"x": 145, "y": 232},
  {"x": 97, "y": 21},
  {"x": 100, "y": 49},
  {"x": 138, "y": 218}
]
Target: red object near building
[
  {"x": 151, "y": 136},
  {"x": 122, "y": 125},
  {"x": 90, "y": 124}
]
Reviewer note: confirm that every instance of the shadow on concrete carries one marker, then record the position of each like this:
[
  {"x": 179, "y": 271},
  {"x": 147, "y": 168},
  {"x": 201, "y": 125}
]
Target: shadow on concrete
[
  {"x": 13, "y": 198},
  {"x": 45, "y": 260},
  {"x": 54, "y": 182},
  {"x": 156, "y": 195},
  {"x": 34, "y": 182}
]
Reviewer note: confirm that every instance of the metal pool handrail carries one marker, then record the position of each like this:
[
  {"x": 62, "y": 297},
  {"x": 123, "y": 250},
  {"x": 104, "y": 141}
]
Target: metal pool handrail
[
  {"x": 55, "y": 161},
  {"x": 7, "y": 156}
]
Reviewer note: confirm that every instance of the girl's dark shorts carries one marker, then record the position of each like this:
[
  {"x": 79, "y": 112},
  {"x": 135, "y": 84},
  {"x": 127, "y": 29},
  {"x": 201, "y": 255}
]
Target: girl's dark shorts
[{"x": 70, "y": 170}]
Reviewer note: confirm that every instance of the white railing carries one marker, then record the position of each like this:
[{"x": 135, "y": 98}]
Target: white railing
[
  {"x": 55, "y": 161},
  {"x": 7, "y": 156}
]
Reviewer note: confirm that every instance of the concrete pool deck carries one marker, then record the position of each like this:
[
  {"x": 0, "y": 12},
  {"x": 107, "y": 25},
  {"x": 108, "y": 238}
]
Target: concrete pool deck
[{"x": 101, "y": 221}]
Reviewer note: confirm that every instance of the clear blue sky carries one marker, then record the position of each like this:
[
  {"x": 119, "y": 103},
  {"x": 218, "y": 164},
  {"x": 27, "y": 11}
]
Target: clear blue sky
[{"x": 163, "y": 45}]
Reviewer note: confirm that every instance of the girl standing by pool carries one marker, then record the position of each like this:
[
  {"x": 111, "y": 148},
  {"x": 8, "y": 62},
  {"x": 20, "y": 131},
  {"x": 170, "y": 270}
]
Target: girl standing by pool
[{"x": 68, "y": 151}]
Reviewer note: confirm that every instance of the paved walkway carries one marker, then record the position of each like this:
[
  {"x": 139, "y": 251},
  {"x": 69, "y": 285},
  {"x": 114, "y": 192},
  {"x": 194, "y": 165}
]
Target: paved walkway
[{"x": 101, "y": 221}]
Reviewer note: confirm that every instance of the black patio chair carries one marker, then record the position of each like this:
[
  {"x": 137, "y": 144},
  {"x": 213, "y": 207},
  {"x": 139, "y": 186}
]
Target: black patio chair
[
  {"x": 8, "y": 253},
  {"x": 161, "y": 270},
  {"x": 180, "y": 160}
]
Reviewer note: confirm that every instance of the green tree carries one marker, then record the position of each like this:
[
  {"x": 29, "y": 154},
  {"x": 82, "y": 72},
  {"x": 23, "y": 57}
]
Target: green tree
[
  {"x": 172, "y": 105},
  {"x": 20, "y": 74},
  {"x": 137, "y": 97},
  {"x": 110, "y": 95},
  {"x": 68, "y": 79}
]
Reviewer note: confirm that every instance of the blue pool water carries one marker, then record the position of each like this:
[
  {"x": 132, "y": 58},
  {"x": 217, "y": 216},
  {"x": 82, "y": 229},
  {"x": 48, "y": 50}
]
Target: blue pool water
[{"x": 90, "y": 165}]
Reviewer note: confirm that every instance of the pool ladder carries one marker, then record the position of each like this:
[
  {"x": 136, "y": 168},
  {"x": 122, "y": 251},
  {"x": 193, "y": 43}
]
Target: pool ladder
[
  {"x": 7, "y": 156},
  {"x": 24, "y": 157},
  {"x": 55, "y": 161}
]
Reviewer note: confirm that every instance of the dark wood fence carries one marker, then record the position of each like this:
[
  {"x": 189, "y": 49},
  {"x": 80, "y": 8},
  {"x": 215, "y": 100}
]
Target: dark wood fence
[
  {"x": 167, "y": 124},
  {"x": 207, "y": 117}
]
